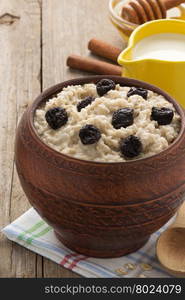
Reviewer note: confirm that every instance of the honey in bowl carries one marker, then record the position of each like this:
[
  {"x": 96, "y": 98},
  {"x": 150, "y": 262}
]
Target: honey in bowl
[{"x": 125, "y": 27}]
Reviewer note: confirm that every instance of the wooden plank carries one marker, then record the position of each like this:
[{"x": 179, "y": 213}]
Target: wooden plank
[
  {"x": 20, "y": 83},
  {"x": 67, "y": 28}
]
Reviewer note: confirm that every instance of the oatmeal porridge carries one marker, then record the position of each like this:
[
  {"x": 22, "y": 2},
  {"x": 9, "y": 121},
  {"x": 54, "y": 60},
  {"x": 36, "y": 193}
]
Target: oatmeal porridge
[{"x": 106, "y": 122}]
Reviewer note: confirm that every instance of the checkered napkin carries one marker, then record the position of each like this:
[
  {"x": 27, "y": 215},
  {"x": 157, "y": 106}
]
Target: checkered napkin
[{"x": 30, "y": 231}]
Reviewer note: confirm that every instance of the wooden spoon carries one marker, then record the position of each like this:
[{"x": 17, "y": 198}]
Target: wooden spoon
[{"x": 170, "y": 246}]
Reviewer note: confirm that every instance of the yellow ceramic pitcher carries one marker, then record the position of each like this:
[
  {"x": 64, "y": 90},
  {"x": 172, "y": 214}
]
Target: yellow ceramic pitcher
[{"x": 168, "y": 75}]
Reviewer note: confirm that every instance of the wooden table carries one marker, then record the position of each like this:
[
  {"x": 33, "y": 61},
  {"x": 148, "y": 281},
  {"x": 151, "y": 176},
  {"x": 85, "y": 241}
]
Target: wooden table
[{"x": 36, "y": 36}]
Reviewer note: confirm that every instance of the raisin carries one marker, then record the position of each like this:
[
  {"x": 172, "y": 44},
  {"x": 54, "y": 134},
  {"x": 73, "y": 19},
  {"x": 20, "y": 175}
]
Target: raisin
[
  {"x": 123, "y": 117},
  {"x": 85, "y": 102},
  {"x": 131, "y": 146},
  {"x": 138, "y": 91},
  {"x": 89, "y": 134},
  {"x": 104, "y": 86},
  {"x": 163, "y": 115},
  {"x": 56, "y": 117}
]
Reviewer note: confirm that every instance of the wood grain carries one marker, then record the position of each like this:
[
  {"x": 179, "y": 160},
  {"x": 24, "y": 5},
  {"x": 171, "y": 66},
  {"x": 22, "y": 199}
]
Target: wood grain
[
  {"x": 19, "y": 77},
  {"x": 67, "y": 28},
  {"x": 36, "y": 38}
]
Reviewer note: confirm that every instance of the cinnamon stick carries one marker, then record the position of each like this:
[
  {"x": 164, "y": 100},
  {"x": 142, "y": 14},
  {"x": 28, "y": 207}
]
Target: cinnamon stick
[
  {"x": 92, "y": 65},
  {"x": 104, "y": 49}
]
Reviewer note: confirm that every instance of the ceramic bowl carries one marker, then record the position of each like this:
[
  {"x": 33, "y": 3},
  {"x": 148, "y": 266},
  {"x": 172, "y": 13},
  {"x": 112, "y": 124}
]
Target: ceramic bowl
[
  {"x": 166, "y": 74},
  {"x": 125, "y": 27},
  {"x": 100, "y": 209}
]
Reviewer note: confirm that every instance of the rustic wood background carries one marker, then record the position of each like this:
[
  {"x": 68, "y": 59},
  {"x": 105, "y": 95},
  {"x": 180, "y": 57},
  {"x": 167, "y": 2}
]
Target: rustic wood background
[{"x": 36, "y": 36}]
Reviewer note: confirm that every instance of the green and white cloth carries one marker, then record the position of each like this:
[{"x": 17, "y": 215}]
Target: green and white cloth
[{"x": 30, "y": 231}]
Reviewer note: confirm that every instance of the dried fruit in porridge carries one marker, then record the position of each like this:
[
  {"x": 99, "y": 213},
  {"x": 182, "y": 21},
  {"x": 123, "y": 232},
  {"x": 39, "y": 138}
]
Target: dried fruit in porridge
[
  {"x": 123, "y": 117},
  {"x": 163, "y": 115},
  {"x": 131, "y": 146},
  {"x": 104, "y": 86},
  {"x": 99, "y": 113},
  {"x": 138, "y": 91},
  {"x": 85, "y": 102},
  {"x": 89, "y": 134},
  {"x": 56, "y": 117}
]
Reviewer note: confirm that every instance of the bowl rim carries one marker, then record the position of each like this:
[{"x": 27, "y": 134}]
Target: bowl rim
[
  {"x": 112, "y": 4},
  {"x": 57, "y": 88}
]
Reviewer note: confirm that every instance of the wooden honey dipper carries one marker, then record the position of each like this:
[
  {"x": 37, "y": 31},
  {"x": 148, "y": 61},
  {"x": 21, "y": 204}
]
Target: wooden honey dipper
[{"x": 141, "y": 11}]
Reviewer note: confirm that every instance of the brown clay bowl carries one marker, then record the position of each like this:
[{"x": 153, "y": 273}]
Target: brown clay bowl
[{"x": 100, "y": 209}]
